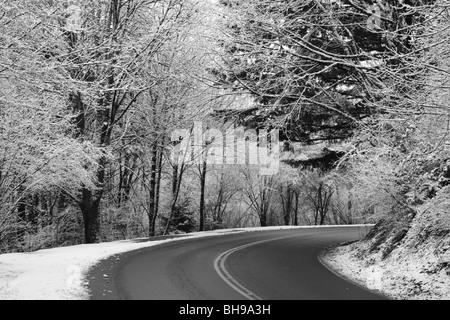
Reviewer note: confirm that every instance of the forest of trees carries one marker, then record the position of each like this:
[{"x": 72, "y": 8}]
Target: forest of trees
[{"x": 93, "y": 94}]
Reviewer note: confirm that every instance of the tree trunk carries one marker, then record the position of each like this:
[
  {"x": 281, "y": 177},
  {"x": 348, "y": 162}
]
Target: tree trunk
[
  {"x": 126, "y": 174},
  {"x": 158, "y": 182},
  {"x": 322, "y": 218},
  {"x": 176, "y": 185},
  {"x": 90, "y": 208},
  {"x": 90, "y": 204},
  {"x": 129, "y": 181},
  {"x": 121, "y": 178},
  {"x": 174, "y": 179},
  {"x": 296, "y": 208},
  {"x": 288, "y": 208},
  {"x": 263, "y": 219},
  {"x": 152, "y": 190},
  {"x": 202, "y": 195}
]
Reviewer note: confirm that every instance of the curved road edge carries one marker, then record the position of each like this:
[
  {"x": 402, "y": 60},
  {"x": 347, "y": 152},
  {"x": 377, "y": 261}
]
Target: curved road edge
[{"x": 322, "y": 259}]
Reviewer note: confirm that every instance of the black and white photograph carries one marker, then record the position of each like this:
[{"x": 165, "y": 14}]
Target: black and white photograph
[{"x": 244, "y": 152}]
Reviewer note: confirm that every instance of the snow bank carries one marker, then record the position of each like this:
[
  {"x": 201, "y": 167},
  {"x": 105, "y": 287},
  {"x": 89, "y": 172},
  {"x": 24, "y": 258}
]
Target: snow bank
[
  {"x": 59, "y": 274},
  {"x": 416, "y": 268},
  {"x": 400, "y": 277}
]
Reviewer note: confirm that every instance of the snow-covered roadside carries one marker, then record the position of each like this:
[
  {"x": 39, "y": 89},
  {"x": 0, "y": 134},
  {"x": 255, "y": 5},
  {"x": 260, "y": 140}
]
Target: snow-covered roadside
[
  {"x": 402, "y": 276},
  {"x": 58, "y": 274},
  {"x": 406, "y": 256}
]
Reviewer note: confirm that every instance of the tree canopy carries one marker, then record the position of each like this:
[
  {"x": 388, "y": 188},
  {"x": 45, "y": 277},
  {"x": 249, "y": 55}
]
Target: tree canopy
[{"x": 319, "y": 69}]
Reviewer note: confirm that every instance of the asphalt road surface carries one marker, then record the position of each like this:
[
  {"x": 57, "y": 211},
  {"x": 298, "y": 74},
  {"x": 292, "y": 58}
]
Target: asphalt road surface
[{"x": 267, "y": 265}]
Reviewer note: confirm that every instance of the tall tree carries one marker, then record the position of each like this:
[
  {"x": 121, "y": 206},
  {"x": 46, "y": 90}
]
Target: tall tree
[
  {"x": 38, "y": 151},
  {"x": 108, "y": 47}
]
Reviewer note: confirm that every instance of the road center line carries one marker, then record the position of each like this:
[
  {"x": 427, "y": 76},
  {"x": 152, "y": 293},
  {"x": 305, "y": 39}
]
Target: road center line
[{"x": 219, "y": 266}]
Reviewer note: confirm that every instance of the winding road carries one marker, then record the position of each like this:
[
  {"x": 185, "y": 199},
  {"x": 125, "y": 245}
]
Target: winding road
[{"x": 260, "y": 265}]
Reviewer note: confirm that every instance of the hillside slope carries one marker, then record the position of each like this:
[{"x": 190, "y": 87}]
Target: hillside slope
[{"x": 406, "y": 256}]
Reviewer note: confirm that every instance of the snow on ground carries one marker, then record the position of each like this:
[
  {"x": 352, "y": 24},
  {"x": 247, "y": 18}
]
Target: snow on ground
[
  {"x": 405, "y": 275},
  {"x": 411, "y": 266},
  {"x": 58, "y": 274}
]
